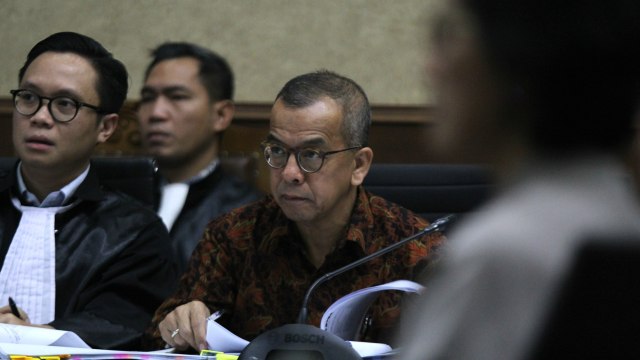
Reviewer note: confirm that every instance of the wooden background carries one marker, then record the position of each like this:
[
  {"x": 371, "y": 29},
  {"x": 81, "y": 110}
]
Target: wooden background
[{"x": 398, "y": 134}]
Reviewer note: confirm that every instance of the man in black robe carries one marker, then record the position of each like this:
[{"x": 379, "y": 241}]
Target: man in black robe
[
  {"x": 186, "y": 104},
  {"x": 75, "y": 255}
]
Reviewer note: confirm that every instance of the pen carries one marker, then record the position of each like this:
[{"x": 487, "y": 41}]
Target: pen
[
  {"x": 216, "y": 315},
  {"x": 14, "y": 308}
]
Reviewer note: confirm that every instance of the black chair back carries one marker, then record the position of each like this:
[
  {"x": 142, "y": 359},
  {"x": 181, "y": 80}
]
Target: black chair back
[
  {"x": 134, "y": 176},
  {"x": 431, "y": 190}
]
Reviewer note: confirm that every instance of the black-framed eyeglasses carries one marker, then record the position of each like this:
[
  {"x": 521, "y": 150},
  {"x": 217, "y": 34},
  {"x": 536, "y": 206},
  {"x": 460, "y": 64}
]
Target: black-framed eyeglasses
[
  {"x": 62, "y": 108},
  {"x": 309, "y": 160}
]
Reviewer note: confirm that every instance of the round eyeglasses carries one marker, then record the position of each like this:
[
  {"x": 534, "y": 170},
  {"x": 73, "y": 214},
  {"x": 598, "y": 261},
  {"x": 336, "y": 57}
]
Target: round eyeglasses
[
  {"x": 61, "y": 108},
  {"x": 309, "y": 160}
]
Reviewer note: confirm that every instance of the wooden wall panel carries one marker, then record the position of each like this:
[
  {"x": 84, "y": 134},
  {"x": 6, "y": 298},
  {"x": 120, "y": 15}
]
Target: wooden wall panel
[{"x": 397, "y": 134}]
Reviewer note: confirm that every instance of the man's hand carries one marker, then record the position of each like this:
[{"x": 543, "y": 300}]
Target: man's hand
[
  {"x": 7, "y": 317},
  {"x": 186, "y": 326}
]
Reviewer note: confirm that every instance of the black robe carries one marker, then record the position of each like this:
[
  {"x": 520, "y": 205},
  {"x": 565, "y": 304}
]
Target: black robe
[
  {"x": 114, "y": 265},
  {"x": 208, "y": 198}
]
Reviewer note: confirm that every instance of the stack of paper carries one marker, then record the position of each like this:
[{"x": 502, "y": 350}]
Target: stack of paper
[{"x": 343, "y": 318}]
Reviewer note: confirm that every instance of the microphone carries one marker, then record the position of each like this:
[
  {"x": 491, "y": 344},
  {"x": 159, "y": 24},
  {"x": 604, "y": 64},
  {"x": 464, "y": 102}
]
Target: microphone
[
  {"x": 303, "y": 341},
  {"x": 437, "y": 225}
]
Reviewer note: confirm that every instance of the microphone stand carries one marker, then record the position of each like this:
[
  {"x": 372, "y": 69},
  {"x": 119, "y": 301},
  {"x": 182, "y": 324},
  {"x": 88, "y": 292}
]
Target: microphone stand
[{"x": 435, "y": 226}]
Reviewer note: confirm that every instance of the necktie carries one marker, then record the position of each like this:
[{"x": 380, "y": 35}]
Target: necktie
[
  {"x": 173, "y": 198},
  {"x": 28, "y": 274}
]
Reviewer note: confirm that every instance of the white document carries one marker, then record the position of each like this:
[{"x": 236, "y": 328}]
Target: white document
[
  {"x": 344, "y": 317},
  {"x": 43, "y": 350},
  {"x": 18, "y": 334},
  {"x": 220, "y": 338},
  {"x": 365, "y": 349},
  {"x": 90, "y": 354}
]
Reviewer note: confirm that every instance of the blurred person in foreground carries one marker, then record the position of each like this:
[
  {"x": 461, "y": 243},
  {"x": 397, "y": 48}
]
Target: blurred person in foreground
[
  {"x": 186, "y": 104},
  {"x": 545, "y": 92},
  {"x": 74, "y": 254},
  {"x": 257, "y": 262}
]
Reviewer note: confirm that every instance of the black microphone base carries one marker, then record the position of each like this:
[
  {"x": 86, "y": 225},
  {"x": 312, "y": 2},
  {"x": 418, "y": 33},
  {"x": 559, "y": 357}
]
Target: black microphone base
[{"x": 299, "y": 342}]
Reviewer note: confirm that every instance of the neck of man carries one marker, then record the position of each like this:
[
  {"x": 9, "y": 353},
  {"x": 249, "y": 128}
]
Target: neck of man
[
  {"x": 322, "y": 238},
  {"x": 183, "y": 169},
  {"x": 43, "y": 181}
]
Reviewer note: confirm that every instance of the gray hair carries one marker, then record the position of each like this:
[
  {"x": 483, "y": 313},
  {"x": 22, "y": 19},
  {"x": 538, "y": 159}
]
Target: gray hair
[{"x": 306, "y": 89}]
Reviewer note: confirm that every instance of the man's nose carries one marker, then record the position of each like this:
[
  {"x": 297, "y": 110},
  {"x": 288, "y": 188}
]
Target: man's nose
[
  {"x": 158, "y": 108},
  {"x": 43, "y": 115},
  {"x": 291, "y": 171}
]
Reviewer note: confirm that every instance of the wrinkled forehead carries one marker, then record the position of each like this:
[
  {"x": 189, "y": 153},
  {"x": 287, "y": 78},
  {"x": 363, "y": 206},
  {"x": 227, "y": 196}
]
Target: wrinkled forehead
[{"x": 318, "y": 123}]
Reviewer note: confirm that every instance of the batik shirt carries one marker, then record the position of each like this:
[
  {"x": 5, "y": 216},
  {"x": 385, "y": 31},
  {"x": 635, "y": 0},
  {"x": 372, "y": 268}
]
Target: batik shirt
[{"x": 251, "y": 262}]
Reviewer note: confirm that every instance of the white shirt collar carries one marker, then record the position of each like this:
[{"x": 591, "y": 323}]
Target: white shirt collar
[
  {"x": 56, "y": 198},
  {"x": 199, "y": 176}
]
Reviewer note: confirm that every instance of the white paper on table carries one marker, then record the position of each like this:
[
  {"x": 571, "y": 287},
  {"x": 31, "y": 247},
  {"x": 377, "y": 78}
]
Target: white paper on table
[
  {"x": 220, "y": 338},
  {"x": 344, "y": 317},
  {"x": 18, "y": 334},
  {"x": 365, "y": 349},
  {"x": 90, "y": 354}
]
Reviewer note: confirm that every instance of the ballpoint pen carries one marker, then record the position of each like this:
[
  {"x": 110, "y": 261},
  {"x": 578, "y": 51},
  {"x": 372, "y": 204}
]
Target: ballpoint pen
[
  {"x": 14, "y": 308},
  {"x": 216, "y": 315}
]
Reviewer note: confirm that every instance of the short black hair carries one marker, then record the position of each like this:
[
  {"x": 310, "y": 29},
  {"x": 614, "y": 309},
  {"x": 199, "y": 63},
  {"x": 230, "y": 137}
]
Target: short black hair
[
  {"x": 574, "y": 63},
  {"x": 215, "y": 73},
  {"x": 113, "y": 79},
  {"x": 305, "y": 90}
]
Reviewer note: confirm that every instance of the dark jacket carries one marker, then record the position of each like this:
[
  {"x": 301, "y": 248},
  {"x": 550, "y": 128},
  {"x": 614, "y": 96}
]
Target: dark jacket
[
  {"x": 214, "y": 195},
  {"x": 113, "y": 263}
]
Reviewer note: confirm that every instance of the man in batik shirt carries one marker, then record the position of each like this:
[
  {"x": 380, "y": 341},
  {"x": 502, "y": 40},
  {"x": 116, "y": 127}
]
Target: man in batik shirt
[{"x": 257, "y": 262}]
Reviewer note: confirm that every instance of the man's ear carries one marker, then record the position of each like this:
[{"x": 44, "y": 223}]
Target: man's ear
[
  {"x": 362, "y": 159},
  {"x": 106, "y": 127},
  {"x": 221, "y": 114}
]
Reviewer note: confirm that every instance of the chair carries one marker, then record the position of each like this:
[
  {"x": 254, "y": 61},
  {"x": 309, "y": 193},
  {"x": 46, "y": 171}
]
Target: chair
[
  {"x": 244, "y": 167},
  {"x": 431, "y": 190},
  {"x": 596, "y": 314},
  {"x": 134, "y": 176},
  {"x": 137, "y": 176}
]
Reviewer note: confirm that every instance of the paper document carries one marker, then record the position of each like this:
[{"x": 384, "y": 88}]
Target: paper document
[
  {"x": 90, "y": 354},
  {"x": 36, "y": 341},
  {"x": 344, "y": 317},
  {"x": 18, "y": 334},
  {"x": 220, "y": 338},
  {"x": 365, "y": 349}
]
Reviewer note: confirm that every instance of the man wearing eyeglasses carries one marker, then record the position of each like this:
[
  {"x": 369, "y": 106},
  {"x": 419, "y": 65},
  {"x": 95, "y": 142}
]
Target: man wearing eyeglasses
[
  {"x": 75, "y": 255},
  {"x": 257, "y": 262}
]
